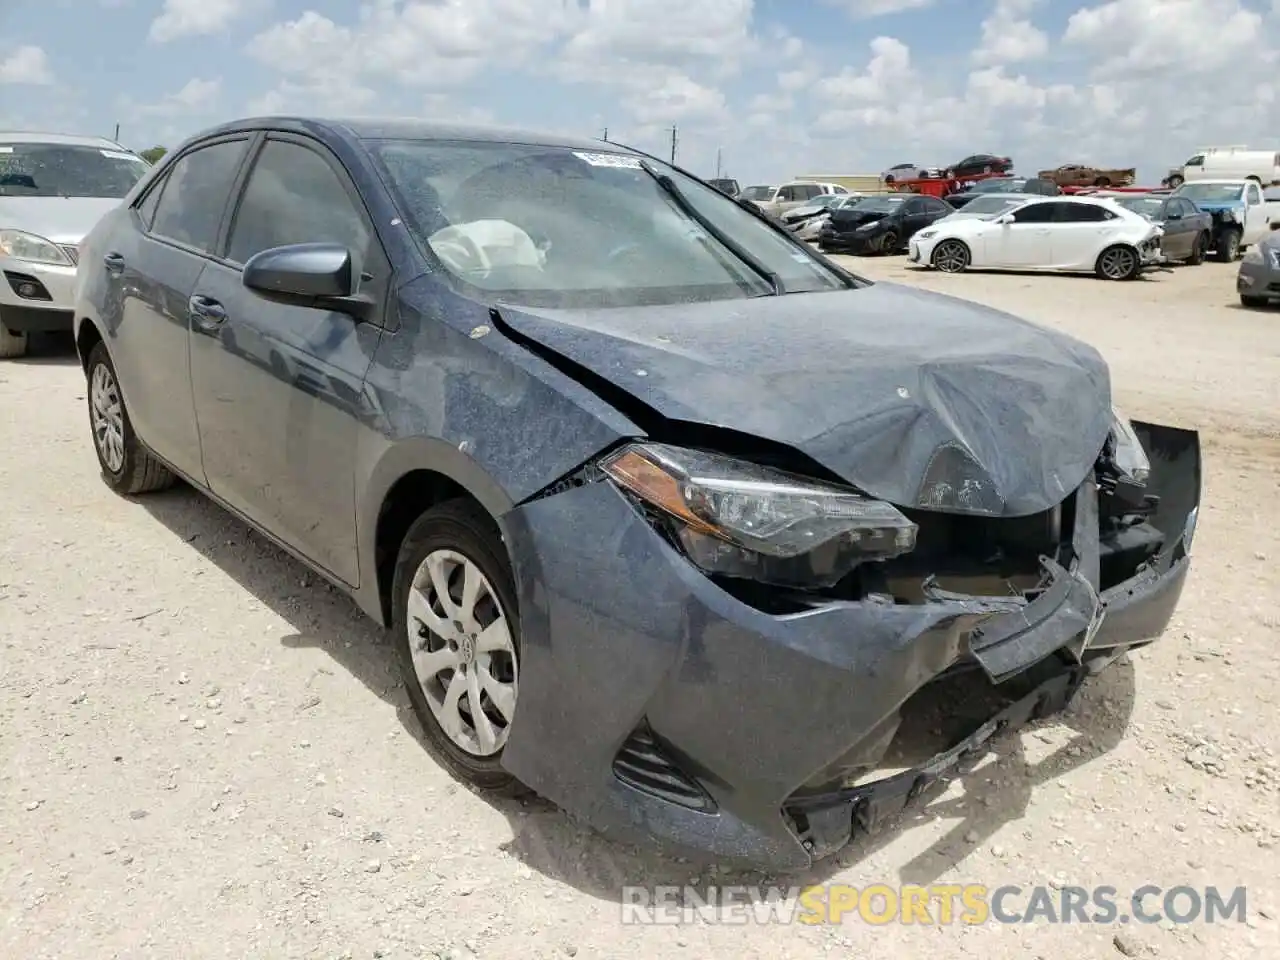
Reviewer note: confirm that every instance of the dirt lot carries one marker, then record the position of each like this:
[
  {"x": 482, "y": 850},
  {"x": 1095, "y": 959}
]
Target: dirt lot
[{"x": 206, "y": 754}]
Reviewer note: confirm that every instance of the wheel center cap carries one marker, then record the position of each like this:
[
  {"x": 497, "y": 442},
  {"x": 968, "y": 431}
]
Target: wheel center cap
[{"x": 468, "y": 649}]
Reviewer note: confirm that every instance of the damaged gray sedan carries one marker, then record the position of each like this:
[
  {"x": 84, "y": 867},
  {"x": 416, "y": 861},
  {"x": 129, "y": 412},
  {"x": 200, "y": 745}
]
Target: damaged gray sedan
[{"x": 669, "y": 518}]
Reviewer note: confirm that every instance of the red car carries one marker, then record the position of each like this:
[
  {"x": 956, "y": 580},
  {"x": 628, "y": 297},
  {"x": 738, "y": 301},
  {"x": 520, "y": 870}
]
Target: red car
[{"x": 978, "y": 164}]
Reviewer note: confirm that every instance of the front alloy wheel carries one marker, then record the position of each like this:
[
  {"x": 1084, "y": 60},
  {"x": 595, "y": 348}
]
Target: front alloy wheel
[
  {"x": 951, "y": 256},
  {"x": 463, "y": 653},
  {"x": 456, "y": 633}
]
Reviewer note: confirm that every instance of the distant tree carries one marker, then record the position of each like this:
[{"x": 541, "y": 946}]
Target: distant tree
[{"x": 154, "y": 154}]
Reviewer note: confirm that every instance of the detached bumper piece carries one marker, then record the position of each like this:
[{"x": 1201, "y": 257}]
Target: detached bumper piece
[
  {"x": 660, "y": 705},
  {"x": 826, "y": 823}
]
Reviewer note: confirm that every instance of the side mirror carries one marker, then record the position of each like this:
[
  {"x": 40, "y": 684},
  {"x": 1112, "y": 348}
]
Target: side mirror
[
  {"x": 317, "y": 275},
  {"x": 1174, "y": 216},
  {"x": 1005, "y": 219}
]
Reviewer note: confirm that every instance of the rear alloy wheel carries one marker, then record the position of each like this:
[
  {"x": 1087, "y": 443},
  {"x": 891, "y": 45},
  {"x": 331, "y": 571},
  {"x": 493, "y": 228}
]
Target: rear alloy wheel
[
  {"x": 12, "y": 345},
  {"x": 456, "y": 634},
  {"x": 127, "y": 466},
  {"x": 1228, "y": 246},
  {"x": 950, "y": 256},
  {"x": 1118, "y": 263},
  {"x": 1198, "y": 250}
]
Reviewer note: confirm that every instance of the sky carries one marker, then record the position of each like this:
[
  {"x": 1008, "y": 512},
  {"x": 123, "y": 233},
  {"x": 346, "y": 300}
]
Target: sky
[{"x": 767, "y": 89}]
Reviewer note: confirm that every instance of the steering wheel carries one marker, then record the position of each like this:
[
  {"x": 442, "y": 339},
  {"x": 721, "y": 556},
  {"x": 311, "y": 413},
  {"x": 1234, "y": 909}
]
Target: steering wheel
[{"x": 466, "y": 255}]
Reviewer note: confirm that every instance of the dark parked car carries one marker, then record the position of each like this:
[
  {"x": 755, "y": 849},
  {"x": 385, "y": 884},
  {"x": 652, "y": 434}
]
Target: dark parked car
[
  {"x": 1188, "y": 230},
  {"x": 979, "y": 164},
  {"x": 726, "y": 186},
  {"x": 1029, "y": 185},
  {"x": 880, "y": 224},
  {"x": 666, "y": 515}
]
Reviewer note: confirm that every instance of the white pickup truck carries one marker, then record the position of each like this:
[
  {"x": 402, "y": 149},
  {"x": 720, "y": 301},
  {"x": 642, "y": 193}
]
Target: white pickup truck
[{"x": 1240, "y": 214}]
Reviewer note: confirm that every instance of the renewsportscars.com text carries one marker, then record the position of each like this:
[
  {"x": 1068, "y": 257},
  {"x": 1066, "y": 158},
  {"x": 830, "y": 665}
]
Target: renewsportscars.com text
[{"x": 938, "y": 904}]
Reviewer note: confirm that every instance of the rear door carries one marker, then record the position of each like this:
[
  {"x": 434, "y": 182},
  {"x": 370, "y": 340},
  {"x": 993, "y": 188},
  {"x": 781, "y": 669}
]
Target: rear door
[
  {"x": 277, "y": 387},
  {"x": 154, "y": 268},
  {"x": 1079, "y": 233}
]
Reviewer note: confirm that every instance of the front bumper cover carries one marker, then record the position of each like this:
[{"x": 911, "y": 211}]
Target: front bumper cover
[
  {"x": 620, "y": 633},
  {"x": 51, "y": 308}
]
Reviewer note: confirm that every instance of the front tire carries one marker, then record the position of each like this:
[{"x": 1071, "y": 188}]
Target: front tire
[
  {"x": 127, "y": 466},
  {"x": 12, "y": 345},
  {"x": 1118, "y": 262},
  {"x": 889, "y": 242},
  {"x": 1252, "y": 302},
  {"x": 1227, "y": 247},
  {"x": 456, "y": 632},
  {"x": 950, "y": 256},
  {"x": 1176, "y": 181}
]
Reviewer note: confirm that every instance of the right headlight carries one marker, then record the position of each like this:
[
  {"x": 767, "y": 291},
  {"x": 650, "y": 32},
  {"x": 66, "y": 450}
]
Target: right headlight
[
  {"x": 27, "y": 246},
  {"x": 739, "y": 519},
  {"x": 1129, "y": 456},
  {"x": 1253, "y": 255}
]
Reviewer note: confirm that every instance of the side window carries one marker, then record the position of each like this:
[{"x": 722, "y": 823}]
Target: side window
[
  {"x": 294, "y": 196},
  {"x": 1080, "y": 213},
  {"x": 1254, "y": 193},
  {"x": 1185, "y": 207},
  {"x": 786, "y": 193},
  {"x": 1035, "y": 213},
  {"x": 147, "y": 208},
  {"x": 195, "y": 192},
  {"x": 1196, "y": 161},
  {"x": 810, "y": 191},
  {"x": 913, "y": 207}
]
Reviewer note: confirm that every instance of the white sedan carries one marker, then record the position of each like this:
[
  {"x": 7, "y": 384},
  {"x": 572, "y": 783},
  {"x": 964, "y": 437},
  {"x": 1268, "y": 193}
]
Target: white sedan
[{"x": 1065, "y": 234}]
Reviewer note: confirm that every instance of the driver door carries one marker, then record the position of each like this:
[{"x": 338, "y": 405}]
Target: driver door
[
  {"x": 279, "y": 388},
  {"x": 1027, "y": 241},
  {"x": 1256, "y": 225}
]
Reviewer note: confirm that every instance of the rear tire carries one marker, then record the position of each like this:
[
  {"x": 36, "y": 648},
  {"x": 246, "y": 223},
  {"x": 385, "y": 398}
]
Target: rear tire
[
  {"x": 128, "y": 467},
  {"x": 1227, "y": 246},
  {"x": 1176, "y": 181},
  {"x": 12, "y": 345},
  {"x": 1102, "y": 182},
  {"x": 1118, "y": 262},
  {"x": 1198, "y": 250},
  {"x": 457, "y": 528}
]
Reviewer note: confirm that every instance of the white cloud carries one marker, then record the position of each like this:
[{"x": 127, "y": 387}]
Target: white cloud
[
  {"x": 27, "y": 65},
  {"x": 192, "y": 18},
  {"x": 1146, "y": 39},
  {"x": 864, "y": 9},
  {"x": 1008, "y": 36},
  {"x": 197, "y": 96}
]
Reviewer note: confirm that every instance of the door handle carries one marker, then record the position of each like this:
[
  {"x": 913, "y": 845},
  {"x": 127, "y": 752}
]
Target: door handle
[
  {"x": 114, "y": 263},
  {"x": 206, "y": 312}
]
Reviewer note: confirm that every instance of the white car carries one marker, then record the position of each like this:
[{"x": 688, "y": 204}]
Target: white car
[
  {"x": 1065, "y": 234},
  {"x": 776, "y": 201}
]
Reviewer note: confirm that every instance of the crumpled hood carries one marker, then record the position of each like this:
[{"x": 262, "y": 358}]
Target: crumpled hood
[
  {"x": 856, "y": 218},
  {"x": 60, "y": 219},
  {"x": 914, "y": 397}
]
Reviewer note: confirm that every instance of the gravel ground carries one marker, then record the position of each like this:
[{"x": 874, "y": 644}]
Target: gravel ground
[{"x": 206, "y": 753}]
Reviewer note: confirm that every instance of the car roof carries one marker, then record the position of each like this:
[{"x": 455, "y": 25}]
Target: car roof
[
  {"x": 65, "y": 139},
  {"x": 411, "y": 128},
  {"x": 1234, "y": 181}
]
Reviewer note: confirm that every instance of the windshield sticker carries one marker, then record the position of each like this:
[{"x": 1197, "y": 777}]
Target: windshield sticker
[
  {"x": 119, "y": 155},
  {"x": 6, "y": 149},
  {"x": 616, "y": 160}
]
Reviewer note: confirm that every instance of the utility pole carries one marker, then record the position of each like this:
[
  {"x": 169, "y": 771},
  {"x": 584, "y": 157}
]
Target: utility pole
[
  {"x": 719, "y": 152},
  {"x": 606, "y": 135},
  {"x": 116, "y": 138},
  {"x": 675, "y": 139}
]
